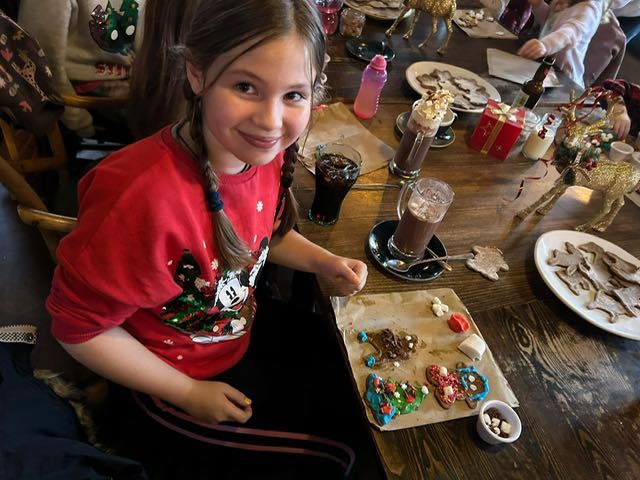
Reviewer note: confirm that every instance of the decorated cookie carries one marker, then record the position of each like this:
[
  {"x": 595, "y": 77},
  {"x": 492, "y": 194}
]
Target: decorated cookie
[
  {"x": 488, "y": 261},
  {"x": 569, "y": 259},
  {"x": 474, "y": 385},
  {"x": 389, "y": 398},
  {"x": 473, "y": 347},
  {"x": 458, "y": 323},
  {"x": 390, "y": 347},
  {"x": 447, "y": 388}
]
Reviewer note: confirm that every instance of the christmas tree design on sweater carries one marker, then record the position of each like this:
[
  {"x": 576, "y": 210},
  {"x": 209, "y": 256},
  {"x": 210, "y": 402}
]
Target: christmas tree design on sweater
[{"x": 114, "y": 31}]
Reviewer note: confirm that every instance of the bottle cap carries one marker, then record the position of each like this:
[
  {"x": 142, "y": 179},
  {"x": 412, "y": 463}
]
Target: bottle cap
[{"x": 379, "y": 62}]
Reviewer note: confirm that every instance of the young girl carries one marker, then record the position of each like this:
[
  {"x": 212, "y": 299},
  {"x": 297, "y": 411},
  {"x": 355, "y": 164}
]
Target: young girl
[
  {"x": 154, "y": 288},
  {"x": 568, "y": 26}
]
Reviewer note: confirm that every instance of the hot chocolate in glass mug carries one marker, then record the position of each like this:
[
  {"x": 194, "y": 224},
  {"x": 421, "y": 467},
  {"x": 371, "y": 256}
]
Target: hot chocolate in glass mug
[{"x": 421, "y": 207}]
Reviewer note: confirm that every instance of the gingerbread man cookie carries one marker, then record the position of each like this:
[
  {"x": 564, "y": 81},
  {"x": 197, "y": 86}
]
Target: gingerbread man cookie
[
  {"x": 488, "y": 261},
  {"x": 447, "y": 386},
  {"x": 389, "y": 346},
  {"x": 389, "y": 398}
]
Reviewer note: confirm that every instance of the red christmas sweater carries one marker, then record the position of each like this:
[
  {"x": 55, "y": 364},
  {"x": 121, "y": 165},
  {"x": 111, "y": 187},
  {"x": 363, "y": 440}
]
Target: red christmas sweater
[{"x": 143, "y": 256}]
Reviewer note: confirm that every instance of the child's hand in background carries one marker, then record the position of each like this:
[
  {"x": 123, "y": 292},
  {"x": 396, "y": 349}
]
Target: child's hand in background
[
  {"x": 533, "y": 49},
  {"x": 621, "y": 123},
  {"x": 215, "y": 402},
  {"x": 348, "y": 274}
]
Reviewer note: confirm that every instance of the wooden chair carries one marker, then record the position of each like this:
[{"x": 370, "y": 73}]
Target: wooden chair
[{"x": 21, "y": 156}]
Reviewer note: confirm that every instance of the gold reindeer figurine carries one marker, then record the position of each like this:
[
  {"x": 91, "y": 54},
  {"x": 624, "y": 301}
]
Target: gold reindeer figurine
[
  {"x": 437, "y": 8},
  {"x": 613, "y": 179}
]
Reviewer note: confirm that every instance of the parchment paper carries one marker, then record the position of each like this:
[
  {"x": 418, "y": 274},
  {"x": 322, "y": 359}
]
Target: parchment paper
[
  {"x": 484, "y": 29},
  {"x": 411, "y": 312},
  {"x": 515, "y": 68},
  {"x": 336, "y": 122}
]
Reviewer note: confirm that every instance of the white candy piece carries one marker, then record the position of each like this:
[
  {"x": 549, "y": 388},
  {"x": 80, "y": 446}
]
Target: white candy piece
[
  {"x": 473, "y": 347},
  {"x": 495, "y": 422},
  {"x": 424, "y": 390},
  {"x": 445, "y": 308},
  {"x": 437, "y": 310},
  {"x": 396, "y": 364},
  {"x": 505, "y": 427},
  {"x": 486, "y": 419},
  {"x": 443, "y": 371},
  {"x": 473, "y": 387},
  {"x": 496, "y": 430},
  {"x": 403, "y": 386},
  {"x": 471, "y": 378},
  {"x": 448, "y": 390},
  {"x": 410, "y": 344},
  {"x": 396, "y": 394},
  {"x": 408, "y": 338},
  {"x": 436, "y": 301}
]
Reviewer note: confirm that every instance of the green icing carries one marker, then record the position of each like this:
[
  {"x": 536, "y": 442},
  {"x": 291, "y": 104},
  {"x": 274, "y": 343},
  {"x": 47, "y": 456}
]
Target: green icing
[{"x": 401, "y": 403}]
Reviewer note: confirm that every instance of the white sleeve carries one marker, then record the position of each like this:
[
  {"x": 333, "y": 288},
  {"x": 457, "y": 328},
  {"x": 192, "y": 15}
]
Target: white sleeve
[{"x": 581, "y": 25}]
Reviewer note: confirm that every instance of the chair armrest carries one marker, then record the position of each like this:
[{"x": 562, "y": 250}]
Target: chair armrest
[
  {"x": 46, "y": 220},
  {"x": 81, "y": 101}
]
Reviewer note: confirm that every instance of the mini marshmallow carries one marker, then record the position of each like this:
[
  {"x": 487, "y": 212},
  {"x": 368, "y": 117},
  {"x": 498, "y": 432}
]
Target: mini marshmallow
[
  {"x": 496, "y": 430},
  {"x": 473, "y": 347},
  {"x": 473, "y": 387},
  {"x": 505, "y": 427},
  {"x": 495, "y": 421},
  {"x": 396, "y": 394},
  {"x": 486, "y": 419},
  {"x": 410, "y": 344},
  {"x": 396, "y": 364},
  {"x": 424, "y": 390},
  {"x": 408, "y": 338},
  {"x": 443, "y": 371},
  {"x": 436, "y": 301},
  {"x": 471, "y": 378},
  {"x": 448, "y": 390}
]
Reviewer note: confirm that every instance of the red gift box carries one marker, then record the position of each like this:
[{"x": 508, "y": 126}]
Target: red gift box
[{"x": 498, "y": 129}]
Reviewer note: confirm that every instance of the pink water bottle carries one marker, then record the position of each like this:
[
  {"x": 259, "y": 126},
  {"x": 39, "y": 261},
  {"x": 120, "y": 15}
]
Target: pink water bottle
[{"x": 373, "y": 79}]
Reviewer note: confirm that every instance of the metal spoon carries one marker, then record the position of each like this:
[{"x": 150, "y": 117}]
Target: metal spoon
[{"x": 402, "y": 266}]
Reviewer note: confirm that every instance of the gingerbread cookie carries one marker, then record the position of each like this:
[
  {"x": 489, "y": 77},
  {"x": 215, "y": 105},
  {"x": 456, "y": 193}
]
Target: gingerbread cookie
[
  {"x": 569, "y": 259},
  {"x": 390, "y": 348},
  {"x": 447, "y": 387},
  {"x": 474, "y": 385},
  {"x": 389, "y": 398},
  {"x": 488, "y": 261}
]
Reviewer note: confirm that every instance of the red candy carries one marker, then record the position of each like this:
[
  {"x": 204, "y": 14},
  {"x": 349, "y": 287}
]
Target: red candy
[
  {"x": 458, "y": 323},
  {"x": 391, "y": 386},
  {"x": 410, "y": 399},
  {"x": 386, "y": 409}
]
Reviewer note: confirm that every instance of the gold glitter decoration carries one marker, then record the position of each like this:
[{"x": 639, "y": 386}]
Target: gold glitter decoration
[
  {"x": 437, "y": 8},
  {"x": 613, "y": 179}
]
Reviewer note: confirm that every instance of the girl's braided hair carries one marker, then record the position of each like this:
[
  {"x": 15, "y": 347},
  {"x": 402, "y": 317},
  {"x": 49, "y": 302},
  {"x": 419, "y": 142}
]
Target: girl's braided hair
[{"x": 218, "y": 26}]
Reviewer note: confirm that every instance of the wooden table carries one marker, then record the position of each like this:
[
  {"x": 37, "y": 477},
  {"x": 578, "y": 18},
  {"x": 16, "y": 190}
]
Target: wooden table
[
  {"x": 344, "y": 71},
  {"x": 578, "y": 386}
]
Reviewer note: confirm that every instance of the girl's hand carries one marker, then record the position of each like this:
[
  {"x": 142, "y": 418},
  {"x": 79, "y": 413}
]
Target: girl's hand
[
  {"x": 215, "y": 402},
  {"x": 348, "y": 274},
  {"x": 533, "y": 49},
  {"x": 622, "y": 124}
]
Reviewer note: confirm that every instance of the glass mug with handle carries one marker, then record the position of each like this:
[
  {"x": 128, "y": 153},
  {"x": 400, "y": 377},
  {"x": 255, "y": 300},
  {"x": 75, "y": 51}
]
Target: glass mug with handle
[{"x": 421, "y": 207}]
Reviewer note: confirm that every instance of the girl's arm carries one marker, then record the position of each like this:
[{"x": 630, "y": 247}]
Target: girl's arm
[
  {"x": 582, "y": 24},
  {"x": 294, "y": 251},
  {"x": 119, "y": 357}
]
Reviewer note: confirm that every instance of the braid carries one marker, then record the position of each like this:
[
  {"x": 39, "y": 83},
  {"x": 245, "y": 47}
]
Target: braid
[
  {"x": 290, "y": 214},
  {"x": 232, "y": 250}
]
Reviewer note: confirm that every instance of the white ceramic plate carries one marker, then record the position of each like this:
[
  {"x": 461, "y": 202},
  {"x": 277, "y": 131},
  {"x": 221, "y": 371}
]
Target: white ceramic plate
[
  {"x": 420, "y": 68},
  {"x": 546, "y": 243}
]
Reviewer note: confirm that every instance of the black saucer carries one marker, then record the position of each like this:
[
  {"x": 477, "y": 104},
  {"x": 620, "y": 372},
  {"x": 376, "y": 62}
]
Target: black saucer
[
  {"x": 379, "y": 253},
  {"x": 444, "y": 140},
  {"x": 366, "y": 50}
]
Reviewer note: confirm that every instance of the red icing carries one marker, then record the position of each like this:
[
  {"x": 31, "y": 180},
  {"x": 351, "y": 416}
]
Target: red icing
[
  {"x": 458, "y": 323},
  {"x": 444, "y": 381},
  {"x": 410, "y": 399},
  {"x": 376, "y": 382},
  {"x": 391, "y": 386},
  {"x": 386, "y": 409}
]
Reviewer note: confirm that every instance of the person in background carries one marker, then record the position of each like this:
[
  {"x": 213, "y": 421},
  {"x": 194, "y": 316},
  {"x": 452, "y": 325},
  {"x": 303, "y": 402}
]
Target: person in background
[
  {"x": 90, "y": 45},
  {"x": 567, "y": 29},
  {"x": 627, "y": 120},
  {"x": 155, "y": 100},
  {"x": 155, "y": 286},
  {"x": 628, "y": 14}
]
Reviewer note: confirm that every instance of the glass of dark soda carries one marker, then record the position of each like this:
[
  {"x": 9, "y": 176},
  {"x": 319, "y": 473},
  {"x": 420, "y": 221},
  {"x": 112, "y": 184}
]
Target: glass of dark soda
[{"x": 337, "y": 169}]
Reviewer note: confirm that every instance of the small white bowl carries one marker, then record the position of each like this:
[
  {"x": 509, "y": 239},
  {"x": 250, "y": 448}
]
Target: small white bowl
[
  {"x": 620, "y": 151},
  {"x": 507, "y": 414}
]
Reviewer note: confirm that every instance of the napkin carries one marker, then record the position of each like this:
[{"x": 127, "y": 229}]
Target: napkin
[
  {"x": 334, "y": 123},
  {"x": 515, "y": 68},
  {"x": 484, "y": 29}
]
